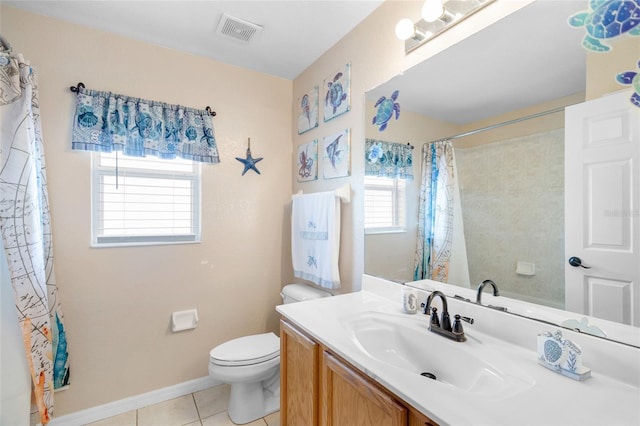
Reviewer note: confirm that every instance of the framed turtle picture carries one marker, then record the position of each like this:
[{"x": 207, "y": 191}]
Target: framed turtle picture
[
  {"x": 307, "y": 161},
  {"x": 308, "y": 110},
  {"x": 336, "y": 93},
  {"x": 336, "y": 160}
]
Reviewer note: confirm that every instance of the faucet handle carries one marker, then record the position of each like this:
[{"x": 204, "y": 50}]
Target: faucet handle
[
  {"x": 457, "y": 325},
  {"x": 466, "y": 319}
]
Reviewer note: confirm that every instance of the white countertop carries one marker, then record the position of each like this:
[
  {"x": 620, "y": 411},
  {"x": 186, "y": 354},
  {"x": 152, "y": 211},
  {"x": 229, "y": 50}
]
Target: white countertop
[{"x": 548, "y": 399}]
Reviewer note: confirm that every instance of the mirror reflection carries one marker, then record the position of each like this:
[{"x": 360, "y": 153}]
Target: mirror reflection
[{"x": 507, "y": 179}]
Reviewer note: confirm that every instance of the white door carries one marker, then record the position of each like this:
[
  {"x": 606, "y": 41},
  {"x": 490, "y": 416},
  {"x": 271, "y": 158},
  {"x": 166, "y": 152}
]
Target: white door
[{"x": 602, "y": 215}]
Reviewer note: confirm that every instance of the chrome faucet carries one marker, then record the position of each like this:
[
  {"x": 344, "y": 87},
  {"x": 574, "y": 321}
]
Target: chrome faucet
[
  {"x": 444, "y": 327},
  {"x": 496, "y": 293}
]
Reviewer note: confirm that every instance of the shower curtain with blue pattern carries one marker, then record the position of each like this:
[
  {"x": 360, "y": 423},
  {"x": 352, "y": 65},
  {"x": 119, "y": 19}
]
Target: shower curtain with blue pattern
[
  {"x": 26, "y": 230},
  {"x": 435, "y": 219}
]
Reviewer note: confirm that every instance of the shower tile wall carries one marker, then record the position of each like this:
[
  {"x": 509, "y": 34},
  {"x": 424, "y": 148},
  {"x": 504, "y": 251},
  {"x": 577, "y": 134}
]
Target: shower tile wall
[{"x": 512, "y": 195}]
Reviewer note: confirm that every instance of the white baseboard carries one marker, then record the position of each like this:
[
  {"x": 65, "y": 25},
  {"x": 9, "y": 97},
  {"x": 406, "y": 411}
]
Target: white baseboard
[{"x": 114, "y": 408}]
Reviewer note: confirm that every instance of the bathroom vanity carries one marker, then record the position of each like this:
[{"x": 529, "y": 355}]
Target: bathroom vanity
[
  {"x": 357, "y": 358},
  {"x": 319, "y": 387}
]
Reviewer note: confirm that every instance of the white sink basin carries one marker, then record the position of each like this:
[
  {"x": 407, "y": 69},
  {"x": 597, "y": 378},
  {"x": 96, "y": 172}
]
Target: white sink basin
[{"x": 404, "y": 342}]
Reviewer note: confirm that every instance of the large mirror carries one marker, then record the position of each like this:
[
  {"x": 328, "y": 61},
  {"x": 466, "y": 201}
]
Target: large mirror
[{"x": 510, "y": 178}]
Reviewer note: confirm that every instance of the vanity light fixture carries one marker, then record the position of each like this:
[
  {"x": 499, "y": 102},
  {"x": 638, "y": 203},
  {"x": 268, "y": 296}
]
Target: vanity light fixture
[
  {"x": 437, "y": 17},
  {"x": 432, "y": 10},
  {"x": 406, "y": 30}
]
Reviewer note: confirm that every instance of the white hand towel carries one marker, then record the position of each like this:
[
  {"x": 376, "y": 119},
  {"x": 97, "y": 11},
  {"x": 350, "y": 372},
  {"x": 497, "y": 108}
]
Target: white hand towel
[{"x": 315, "y": 238}]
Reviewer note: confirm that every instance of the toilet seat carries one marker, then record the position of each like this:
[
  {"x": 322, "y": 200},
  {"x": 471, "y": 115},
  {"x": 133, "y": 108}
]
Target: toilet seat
[{"x": 247, "y": 350}]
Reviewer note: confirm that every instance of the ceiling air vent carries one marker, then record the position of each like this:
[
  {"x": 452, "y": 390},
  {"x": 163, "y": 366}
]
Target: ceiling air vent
[{"x": 237, "y": 28}]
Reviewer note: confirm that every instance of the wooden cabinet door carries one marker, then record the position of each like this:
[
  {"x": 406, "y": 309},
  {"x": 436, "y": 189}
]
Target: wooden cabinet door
[
  {"x": 349, "y": 399},
  {"x": 418, "y": 419},
  {"x": 299, "y": 365}
]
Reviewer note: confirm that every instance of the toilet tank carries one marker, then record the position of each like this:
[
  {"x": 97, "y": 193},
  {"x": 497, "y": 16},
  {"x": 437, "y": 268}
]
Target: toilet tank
[{"x": 292, "y": 293}]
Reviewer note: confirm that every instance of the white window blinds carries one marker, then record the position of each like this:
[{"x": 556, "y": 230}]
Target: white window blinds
[
  {"x": 144, "y": 200},
  {"x": 384, "y": 204}
]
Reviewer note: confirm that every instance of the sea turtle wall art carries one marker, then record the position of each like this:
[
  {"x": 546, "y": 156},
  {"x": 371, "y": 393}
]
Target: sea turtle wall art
[
  {"x": 631, "y": 78},
  {"x": 606, "y": 19},
  {"x": 308, "y": 110},
  {"x": 335, "y": 93},
  {"x": 386, "y": 109}
]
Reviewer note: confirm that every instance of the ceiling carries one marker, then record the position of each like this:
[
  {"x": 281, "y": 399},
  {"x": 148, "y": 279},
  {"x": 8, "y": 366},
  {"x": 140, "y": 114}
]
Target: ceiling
[
  {"x": 295, "y": 32},
  {"x": 527, "y": 58}
]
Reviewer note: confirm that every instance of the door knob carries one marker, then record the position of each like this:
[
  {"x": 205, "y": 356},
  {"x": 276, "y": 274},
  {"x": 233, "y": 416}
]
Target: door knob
[{"x": 577, "y": 262}]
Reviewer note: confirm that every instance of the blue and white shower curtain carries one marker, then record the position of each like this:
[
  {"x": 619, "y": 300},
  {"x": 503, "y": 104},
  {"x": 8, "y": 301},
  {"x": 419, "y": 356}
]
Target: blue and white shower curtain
[
  {"x": 435, "y": 220},
  {"x": 26, "y": 231}
]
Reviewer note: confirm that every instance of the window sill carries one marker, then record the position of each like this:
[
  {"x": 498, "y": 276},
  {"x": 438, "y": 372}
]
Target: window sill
[
  {"x": 394, "y": 230},
  {"x": 125, "y": 243}
]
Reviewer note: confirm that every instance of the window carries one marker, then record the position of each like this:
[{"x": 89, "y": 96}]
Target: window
[
  {"x": 137, "y": 201},
  {"x": 384, "y": 205}
]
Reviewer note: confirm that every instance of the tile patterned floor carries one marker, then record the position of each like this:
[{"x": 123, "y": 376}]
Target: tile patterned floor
[{"x": 204, "y": 408}]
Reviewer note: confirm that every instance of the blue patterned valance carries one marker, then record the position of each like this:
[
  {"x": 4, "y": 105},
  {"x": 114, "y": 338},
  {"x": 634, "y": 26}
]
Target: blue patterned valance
[
  {"x": 108, "y": 122},
  {"x": 388, "y": 159}
]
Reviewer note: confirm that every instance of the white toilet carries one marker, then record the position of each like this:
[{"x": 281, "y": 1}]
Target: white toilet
[{"x": 251, "y": 365}]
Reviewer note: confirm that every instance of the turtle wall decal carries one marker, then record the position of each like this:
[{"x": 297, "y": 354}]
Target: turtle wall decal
[
  {"x": 386, "y": 108},
  {"x": 631, "y": 78},
  {"x": 607, "y": 19}
]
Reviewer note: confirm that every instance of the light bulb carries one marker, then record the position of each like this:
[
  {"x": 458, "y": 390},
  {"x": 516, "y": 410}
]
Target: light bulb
[
  {"x": 404, "y": 29},
  {"x": 432, "y": 10}
]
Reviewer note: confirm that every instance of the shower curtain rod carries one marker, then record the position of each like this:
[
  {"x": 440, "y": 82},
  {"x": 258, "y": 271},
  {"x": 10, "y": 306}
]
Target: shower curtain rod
[{"x": 504, "y": 123}]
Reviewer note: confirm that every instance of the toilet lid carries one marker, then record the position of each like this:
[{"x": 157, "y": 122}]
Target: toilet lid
[{"x": 246, "y": 350}]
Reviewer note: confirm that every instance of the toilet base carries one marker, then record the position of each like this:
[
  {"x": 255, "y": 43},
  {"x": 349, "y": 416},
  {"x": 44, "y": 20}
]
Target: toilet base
[{"x": 250, "y": 401}]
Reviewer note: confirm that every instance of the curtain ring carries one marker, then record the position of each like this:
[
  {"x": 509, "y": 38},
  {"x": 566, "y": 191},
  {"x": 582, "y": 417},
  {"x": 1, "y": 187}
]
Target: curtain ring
[{"x": 210, "y": 112}]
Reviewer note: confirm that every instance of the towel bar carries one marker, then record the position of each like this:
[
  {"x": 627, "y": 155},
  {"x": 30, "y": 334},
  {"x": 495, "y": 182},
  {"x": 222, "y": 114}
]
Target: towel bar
[{"x": 344, "y": 193}]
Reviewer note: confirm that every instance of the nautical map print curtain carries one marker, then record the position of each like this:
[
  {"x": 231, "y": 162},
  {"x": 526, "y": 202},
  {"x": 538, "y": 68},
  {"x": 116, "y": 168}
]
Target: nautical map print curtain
[
  {"x": 26, "y": 231},
  {"x": 435, "y": 219},
  {"x": 108, "y": 122},
  {"x": 388, "y": 159}
]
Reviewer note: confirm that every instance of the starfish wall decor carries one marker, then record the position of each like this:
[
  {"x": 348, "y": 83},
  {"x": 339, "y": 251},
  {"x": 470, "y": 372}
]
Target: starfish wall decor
[{"x": 249, "y": 162}]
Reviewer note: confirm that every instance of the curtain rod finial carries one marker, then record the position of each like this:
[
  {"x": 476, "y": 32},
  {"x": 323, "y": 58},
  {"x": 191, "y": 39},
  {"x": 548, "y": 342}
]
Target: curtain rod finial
[{"x": 76, "y": 89}]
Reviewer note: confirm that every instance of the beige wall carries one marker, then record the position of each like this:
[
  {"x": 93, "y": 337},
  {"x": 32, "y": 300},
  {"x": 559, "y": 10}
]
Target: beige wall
[{"x": 118, "y": 301}]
